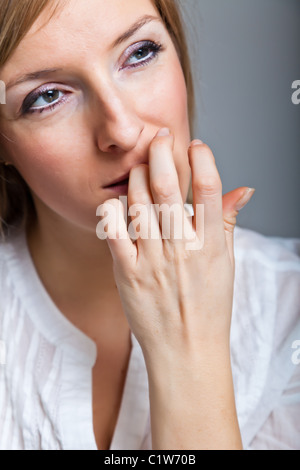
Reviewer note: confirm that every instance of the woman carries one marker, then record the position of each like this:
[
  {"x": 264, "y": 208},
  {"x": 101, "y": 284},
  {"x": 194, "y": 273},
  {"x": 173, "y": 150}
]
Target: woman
[{"x": 124, "y": 343}]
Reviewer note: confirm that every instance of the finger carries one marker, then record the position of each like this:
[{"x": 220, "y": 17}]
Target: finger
[
  {"x": 165, "y": 188},
  {"x": 233, "y": 202},
  {"x": 113, "y": 228},
  {"x": 144, "y": 226},
  {"x": 207, "y": 190}
]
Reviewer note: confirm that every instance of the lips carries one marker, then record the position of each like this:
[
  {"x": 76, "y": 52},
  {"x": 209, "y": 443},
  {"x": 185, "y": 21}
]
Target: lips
[{"x": 122, "y": 180}]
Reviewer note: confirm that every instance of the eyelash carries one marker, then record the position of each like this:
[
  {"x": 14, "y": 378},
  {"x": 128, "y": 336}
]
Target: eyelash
[{"x": 154, "y": 49}]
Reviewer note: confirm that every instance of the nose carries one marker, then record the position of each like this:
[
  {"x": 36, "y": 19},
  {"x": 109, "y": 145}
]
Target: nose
[{"x": 118, "y": 125}]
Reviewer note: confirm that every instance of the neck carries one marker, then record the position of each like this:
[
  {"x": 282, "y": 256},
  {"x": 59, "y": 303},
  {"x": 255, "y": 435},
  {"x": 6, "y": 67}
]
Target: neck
[
  {"x": 77, "y": 271},
  {"x": 70, "y": 249}
]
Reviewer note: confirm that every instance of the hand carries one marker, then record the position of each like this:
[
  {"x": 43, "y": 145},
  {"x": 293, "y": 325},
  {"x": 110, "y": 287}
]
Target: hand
[{"x": 179, "y": 302}]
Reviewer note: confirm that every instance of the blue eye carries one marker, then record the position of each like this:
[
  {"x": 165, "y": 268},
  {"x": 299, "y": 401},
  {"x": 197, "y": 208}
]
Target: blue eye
[{"x": 142, "y": 53}]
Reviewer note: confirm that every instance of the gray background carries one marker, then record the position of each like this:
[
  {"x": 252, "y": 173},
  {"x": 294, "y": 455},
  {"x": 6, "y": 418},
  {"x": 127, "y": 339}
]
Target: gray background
[{"x": 245, "y": 55}]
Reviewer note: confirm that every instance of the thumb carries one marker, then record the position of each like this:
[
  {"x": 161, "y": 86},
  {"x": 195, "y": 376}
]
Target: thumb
[{"x": 233, "y": 203}]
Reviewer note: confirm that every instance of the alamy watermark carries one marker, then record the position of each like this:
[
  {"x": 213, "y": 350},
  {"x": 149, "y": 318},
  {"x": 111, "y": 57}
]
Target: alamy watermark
[
  {"x": 2, "y": 92},
  {"x": 2, "y": 353},
  {"x": 174, "y": 224},
  {"x": 296, "y": 94},
  {"x": 296, "y": 353}
]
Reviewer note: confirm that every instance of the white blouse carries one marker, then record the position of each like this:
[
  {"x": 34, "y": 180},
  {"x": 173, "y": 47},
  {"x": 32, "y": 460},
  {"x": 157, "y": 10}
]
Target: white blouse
[{"x": 46, "y": 362}]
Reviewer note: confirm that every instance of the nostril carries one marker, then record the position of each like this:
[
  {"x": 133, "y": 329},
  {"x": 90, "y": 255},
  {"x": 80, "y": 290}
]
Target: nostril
[{"x": 114, "y": 149}]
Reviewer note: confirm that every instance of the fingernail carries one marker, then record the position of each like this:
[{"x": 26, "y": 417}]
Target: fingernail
[
  {"x": 196, "y": 143},
  {"x": 163, "y": 132},
  {"x": 245, "y": 199}
]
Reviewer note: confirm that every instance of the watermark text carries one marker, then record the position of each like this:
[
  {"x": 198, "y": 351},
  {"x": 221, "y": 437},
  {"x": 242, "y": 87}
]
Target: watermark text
[
  {"x": 174, "y": 223},
  {"x": 2, "y": 92},
  {"x": 296, "y": 353},
  {"x": 296, "y": 94}
]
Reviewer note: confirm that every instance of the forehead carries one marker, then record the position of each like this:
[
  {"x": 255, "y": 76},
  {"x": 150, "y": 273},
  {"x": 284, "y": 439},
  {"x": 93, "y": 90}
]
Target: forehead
[
  {"x": 78, "y": 26},
  {"x": 77, "y": 16}
]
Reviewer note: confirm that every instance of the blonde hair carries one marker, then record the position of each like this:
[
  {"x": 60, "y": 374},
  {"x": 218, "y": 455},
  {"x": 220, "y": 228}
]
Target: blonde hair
[{"x": 16, "y": 19}]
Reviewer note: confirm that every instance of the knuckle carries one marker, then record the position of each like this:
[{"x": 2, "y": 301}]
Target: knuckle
[
  {"x": 164, "y": 186},
  {"x": 209, "y": 185},
  {"x": 229, "y": 223}
]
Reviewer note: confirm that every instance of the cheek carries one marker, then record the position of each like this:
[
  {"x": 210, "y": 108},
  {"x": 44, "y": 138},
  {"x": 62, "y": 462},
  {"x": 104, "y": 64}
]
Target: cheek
[
  {"x": 171, "y": 102},
  {"x": 55, "y": 152},
  {"x": 166, "y": 106},
  {"x": 55, "y": 169},
  {"x": 43, "y": 159},
  {"x": 167, "y": 100}
]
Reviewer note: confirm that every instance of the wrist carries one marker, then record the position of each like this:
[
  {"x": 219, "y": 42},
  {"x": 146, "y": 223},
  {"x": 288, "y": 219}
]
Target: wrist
[
  {"x": 193, "y": 406},
  {"x": 201, "y": 362}
]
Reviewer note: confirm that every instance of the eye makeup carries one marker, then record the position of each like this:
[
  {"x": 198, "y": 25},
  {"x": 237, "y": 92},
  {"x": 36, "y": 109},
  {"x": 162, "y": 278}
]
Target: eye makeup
[
  {"x": 47, "y": 92},
  {"x": 136, "y": 56},
  {"x": 141, "y": 53}
]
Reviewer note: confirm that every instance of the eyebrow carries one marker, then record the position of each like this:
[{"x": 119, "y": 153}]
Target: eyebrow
[
  {"x": 134, "y": 28},
  {"x": 31, "y": 76},
  {"x": 128, "y": 34}
]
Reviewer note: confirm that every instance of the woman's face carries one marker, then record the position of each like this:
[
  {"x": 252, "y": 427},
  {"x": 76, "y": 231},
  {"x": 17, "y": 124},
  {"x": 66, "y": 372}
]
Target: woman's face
[{"x": 110, "y": 79}]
